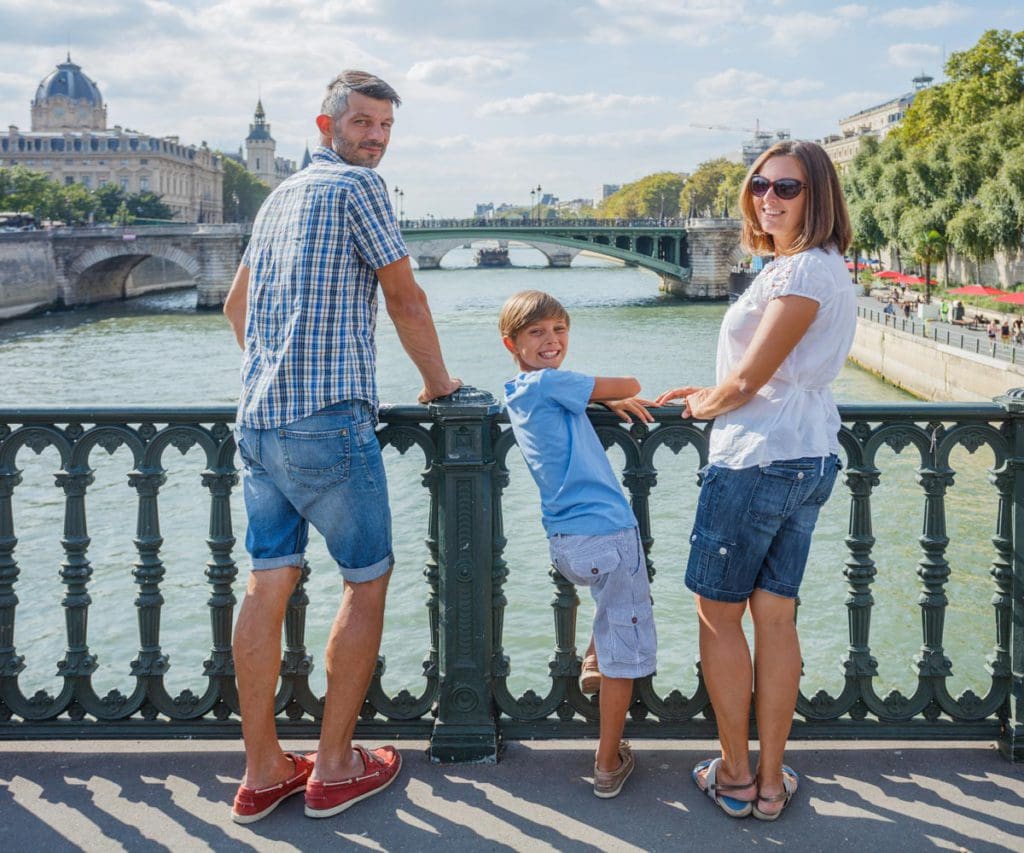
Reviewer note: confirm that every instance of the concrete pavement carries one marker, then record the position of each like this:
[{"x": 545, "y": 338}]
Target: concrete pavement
[{"x": 175, "y": 795}]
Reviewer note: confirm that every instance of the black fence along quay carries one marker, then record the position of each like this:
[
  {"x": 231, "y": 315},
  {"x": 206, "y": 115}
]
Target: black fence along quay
[{"x": 465, "y": 705}]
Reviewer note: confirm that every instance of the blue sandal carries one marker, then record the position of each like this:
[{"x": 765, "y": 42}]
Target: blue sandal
[
  {"x": 730, "y": 805},
  {"x": 790, "y": 782}
]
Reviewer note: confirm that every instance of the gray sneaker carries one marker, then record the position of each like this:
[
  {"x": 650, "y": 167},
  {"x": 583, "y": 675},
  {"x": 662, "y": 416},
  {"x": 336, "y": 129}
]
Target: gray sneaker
[{"x": 608, "y": 784}]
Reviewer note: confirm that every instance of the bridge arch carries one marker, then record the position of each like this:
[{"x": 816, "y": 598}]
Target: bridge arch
[{"x": 100, "y": 273}]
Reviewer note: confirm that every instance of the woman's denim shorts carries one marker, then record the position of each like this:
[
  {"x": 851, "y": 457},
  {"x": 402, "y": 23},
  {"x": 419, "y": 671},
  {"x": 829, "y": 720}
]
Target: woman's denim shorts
[
  {"x": 753, "y": 527},
  {"x": 325, "y": 470}
]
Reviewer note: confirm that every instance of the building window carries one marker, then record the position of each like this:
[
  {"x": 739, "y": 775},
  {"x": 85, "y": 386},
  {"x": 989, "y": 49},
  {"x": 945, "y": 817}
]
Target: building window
[
  {"x": 143, "y": 162},
  {"x": 133, "y": 143},
  {"x": 69, "y": 180},
  {"x": 78, "y": 145},
  {"x": 124, "y": 183},
  {"x": 143, "y": 183},
  {"x": 57, "y": 145},
  {"x": 87, "y": 181},
  {"x": 112, "y": 144},
  {"x": 94, "y": 144}
]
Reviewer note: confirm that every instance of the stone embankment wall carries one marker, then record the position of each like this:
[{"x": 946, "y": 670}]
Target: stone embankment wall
[
  {"x": 933, "y": 371},
  {"x": 28, "y": 275}
]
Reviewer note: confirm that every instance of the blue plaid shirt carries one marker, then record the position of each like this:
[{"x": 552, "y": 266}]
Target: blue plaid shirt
[{"x": 316, "y": 244}]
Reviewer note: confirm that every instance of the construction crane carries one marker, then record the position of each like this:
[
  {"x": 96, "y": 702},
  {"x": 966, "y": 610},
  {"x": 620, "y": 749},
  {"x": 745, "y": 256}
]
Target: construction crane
[{"x": 760, "y": 138}]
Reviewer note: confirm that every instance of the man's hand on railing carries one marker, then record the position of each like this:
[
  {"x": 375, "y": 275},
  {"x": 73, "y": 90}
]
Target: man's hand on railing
[{"x": 434, "y": 392}]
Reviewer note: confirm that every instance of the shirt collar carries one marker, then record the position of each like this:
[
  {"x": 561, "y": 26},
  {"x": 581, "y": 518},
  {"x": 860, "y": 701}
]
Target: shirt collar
[{"x": 322, "y": 152}]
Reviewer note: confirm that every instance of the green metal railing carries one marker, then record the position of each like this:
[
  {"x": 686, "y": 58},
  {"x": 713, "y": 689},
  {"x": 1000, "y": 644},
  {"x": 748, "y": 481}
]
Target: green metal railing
[{"x": 466, "y": 705}]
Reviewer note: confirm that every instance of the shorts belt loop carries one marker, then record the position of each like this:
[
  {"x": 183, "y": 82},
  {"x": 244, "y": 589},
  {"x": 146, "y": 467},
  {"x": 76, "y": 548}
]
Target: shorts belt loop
[{"x": 821, "y": 473}]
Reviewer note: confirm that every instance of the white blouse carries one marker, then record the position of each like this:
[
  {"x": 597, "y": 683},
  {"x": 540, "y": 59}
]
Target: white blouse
[{"x": 794, "y": 414}]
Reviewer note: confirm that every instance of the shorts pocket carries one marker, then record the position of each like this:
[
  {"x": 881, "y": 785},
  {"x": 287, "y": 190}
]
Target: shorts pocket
[
  {"x": 632, "y": 638},
  {"x": 780, "y": 488},
  {"x": 583, "y": 565},
  {"x": 708, "y": 565},
  {"x": 316, "y": 460}
]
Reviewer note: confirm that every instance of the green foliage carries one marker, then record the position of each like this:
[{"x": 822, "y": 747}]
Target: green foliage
[
  {"x": 243, "y": 192},
  {"x": 713, "y": 187},
  {"x": 954, "y": 167},
  {"x": 655, "y": 196},
  {"x": 34, "y": 192}
]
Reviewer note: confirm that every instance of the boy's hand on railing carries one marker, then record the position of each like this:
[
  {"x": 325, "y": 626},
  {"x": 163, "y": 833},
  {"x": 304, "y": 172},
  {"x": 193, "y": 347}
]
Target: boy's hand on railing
[{"x": 636, "y": 406}]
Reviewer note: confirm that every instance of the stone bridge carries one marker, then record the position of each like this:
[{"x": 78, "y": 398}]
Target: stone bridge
[
  {"x": 79, "y": 266},
  {"x": 692, "y": 257}
]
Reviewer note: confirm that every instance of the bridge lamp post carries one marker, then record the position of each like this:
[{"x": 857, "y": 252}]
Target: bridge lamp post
[
  {"x": 538, "y": 203},
  {"x": 533, "y": 201}
]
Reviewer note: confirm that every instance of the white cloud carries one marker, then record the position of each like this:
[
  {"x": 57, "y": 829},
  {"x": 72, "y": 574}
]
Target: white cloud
[
  {"x": 913, "y": 55},
  {"x": 459, "y": 68},
  {"x": 852, "y": 11},
  {"x": 734, "y": 83},
  {"x": 926, "y": 17},
  {"x": 794, "y": 29},
  {"x": 549, "y": 102}
]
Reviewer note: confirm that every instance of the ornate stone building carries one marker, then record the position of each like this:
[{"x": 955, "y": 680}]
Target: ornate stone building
[
  {"x": 260, "y": 156},
  {"x": 70, "y": 141},
  {"x": 875, "y": 121}
]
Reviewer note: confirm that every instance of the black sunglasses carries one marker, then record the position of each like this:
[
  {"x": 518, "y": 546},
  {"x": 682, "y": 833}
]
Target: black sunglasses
[{"x": 785, "y": 188}]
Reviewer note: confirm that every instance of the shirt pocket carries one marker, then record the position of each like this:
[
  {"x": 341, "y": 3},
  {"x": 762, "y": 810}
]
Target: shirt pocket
[{"x": 316, "y": 460}]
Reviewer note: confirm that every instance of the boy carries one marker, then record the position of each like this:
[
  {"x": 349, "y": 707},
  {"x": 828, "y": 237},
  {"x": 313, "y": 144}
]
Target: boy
[{"x": 592, "y": 532}]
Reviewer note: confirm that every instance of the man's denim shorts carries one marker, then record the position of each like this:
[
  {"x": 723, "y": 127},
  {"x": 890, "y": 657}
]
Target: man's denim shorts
[
  {"x": 753, "y": 527},
  {"x": 614, "y": 568},
  {"x": 325, "y": 470}
]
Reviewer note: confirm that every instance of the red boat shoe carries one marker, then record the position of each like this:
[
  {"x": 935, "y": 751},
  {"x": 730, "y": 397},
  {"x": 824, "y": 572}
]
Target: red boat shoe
[
  {"x": 251, "y": 804},
  {"x": 381, "y": 766}
]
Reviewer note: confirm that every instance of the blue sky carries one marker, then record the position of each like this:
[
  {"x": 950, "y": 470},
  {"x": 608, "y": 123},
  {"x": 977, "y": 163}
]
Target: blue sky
[{"x": 498, "y": 96}]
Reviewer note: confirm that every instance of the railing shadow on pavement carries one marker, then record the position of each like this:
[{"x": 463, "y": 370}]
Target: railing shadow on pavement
[{"x": 466, "y": 705}]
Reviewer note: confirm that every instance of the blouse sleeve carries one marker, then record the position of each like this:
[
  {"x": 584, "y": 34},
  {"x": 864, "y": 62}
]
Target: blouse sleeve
[{"x": 807, "y": 276}]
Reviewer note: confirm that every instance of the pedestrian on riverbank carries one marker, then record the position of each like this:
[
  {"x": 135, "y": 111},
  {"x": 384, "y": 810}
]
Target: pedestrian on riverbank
[
  {"x": 773, "y": 457},
  {"x": 993, "y": 330},
  {"x": 303, "y": 307},
  {"x": 592, "y": 532}
]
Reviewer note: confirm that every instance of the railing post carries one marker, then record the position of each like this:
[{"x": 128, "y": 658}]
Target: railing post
[
  {"x": 466, "y": 727},
  {"x": 1011, "y": 741}
]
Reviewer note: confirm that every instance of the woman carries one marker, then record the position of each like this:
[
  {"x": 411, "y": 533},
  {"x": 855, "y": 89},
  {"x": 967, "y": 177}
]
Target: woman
[{"x": 773, "y": 458}]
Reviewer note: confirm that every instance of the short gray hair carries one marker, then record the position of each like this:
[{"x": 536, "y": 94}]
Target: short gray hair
[{"x": 336, "y": 100}]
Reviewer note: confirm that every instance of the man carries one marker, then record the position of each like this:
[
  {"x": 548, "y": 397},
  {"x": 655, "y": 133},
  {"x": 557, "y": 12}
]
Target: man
[{"x": 303, "y": 306}]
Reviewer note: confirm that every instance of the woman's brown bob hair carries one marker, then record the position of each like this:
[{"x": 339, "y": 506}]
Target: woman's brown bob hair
[{"x": 826, "y": 221}]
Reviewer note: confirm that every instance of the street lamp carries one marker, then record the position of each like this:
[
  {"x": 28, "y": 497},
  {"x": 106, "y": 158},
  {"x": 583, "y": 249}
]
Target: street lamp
[
  {"x": 533, "y": 201},
  {"x": 401, "y": 205},
  {"x": 539, "y": 197}
]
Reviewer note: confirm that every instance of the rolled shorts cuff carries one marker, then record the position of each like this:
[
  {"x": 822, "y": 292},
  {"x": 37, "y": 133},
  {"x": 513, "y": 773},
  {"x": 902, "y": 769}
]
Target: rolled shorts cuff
[
  {"x": 368, "y": 573},
  {"x": 635, "y": 670},
  {"x": 713, "y": 594},
  {"x": 265, "y": 563},
  {"x": 776, "y": 588}
]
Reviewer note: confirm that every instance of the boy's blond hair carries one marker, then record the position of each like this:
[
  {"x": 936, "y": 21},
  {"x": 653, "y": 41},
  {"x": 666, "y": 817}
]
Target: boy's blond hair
[{"x": 527, "y": 307}]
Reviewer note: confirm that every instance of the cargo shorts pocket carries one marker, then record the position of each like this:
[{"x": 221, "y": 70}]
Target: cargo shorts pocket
[
  {"x": 316, "y": 460},
  {"x": 708, "y": 565},
  {"x": 632, "y": 639},
  {"x": 581, "y": 565}
]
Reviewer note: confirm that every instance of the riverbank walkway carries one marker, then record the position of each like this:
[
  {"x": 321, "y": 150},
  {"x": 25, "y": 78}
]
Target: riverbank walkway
[{"x": 175, "y": 795}]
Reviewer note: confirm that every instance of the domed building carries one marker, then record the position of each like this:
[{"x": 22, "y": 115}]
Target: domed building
[{"x": 71, "y": 143}]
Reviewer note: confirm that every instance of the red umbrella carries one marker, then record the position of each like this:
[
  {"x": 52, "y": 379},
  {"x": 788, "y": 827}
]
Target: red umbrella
[
  {"x": 976, "y": 290},
  {"x": 917, "y": 279},
  {"x": 888, "y": 274},
  {"x": 1013, "y": 298}
]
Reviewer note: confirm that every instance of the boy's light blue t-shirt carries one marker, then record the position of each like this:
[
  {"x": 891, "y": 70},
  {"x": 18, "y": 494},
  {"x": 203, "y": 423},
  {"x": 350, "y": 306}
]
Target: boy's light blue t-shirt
[{"x": 578, "y": 490}]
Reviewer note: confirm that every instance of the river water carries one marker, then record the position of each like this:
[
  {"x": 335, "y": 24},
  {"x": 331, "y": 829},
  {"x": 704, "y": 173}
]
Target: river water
[{"x": 156, "y": 350}]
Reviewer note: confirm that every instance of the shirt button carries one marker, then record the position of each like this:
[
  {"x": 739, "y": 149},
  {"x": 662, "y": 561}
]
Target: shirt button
[
  {"x": 800, "y": 475},
  {"x": 722, "y": 551},
  {"x": 593, "y": 571},
  {"x": 693, "y": 538},
  {"x": 634, "y": 620}
]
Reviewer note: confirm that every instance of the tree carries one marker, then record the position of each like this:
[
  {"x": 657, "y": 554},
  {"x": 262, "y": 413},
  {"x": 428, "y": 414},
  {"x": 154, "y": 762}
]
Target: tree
[
  {"x": 968, "y": 235},
  {"x": 243, "y": 193},
  {"x": 110, "y": 198},
  {"x": 653, "y": 197},
  {"x": 148, "y": 205},
  {"x": 713, "y": 187},
  {"x": 929, "y": 248}
]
